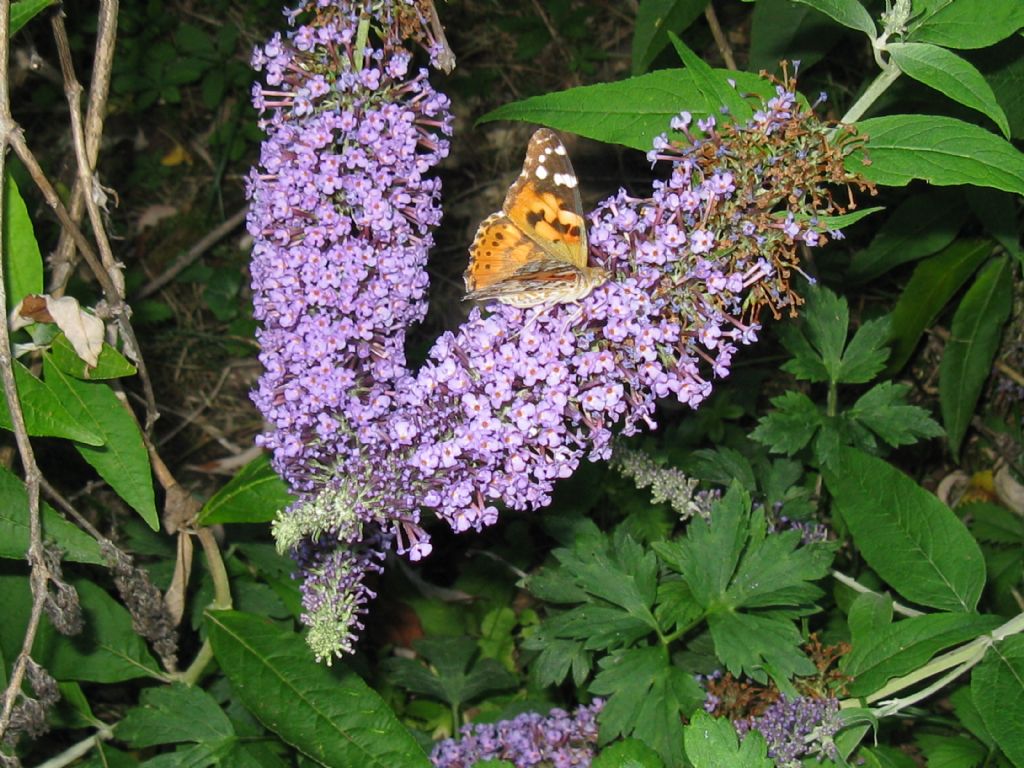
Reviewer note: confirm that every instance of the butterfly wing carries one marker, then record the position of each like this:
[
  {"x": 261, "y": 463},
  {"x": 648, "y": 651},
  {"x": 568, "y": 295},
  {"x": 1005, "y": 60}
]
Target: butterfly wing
[{"x": 544, "y": 202}]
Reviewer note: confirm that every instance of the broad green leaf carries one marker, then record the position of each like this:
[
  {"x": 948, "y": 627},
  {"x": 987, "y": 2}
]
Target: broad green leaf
[
  {"x": 330, "y": 715},
  {"x": 1003, "y": 67},
  {"x": 629, "y": 112},
  {"x": 924, "y": 224},
  {"x": 713, "y": 85},
  {"x": 908, "y": 537},
  {"x": 23, "y": 264},
  {"x": 951, "y": 75},
  {"x": 884, "y": 410},
  {"x": 883, "y": 757},
  {"x": 970, "y": 718},
  {"x": 968, "y": 23},
  {"x": 254, "y": 495},
  {"x": 951, "y": 751},
  {"x": 172, "y": 714},
  {"x": 628, "y": 753},
  {"x": 783, "y": 30},
  {"x": 76, "y": 546},
  {"x": 992, "y": 523},
  {"x": 654, "y": 20},
  {"x": 997, "y": 685},
  {"x": 646, "y": 696},
  {"x": 711, "y": 742},
  {"x": 44, "y": 411},
  {"x": 849, "y": 13},
  {"x": 893, "y": 650},
  {"x": 111, "y": 364},
  {"x": 107, "y": 651},
  {"x": 934, "y": 282},
  {"x": 23, "y": 11},
  {"x": 939, "y": 150},
  {"x": 122, "y": 460},
  {"x": 997, "y": 212},
  {"x": 971, "y": 349}
]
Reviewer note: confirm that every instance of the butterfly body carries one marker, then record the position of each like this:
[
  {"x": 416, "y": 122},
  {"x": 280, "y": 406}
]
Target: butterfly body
[{"x": 534, "y": 250}]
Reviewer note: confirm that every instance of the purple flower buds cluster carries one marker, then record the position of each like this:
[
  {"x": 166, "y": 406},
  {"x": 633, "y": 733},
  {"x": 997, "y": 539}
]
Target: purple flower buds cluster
[
  {"x": 796, "y": 728},
  {"x": 558, "y": 740}
]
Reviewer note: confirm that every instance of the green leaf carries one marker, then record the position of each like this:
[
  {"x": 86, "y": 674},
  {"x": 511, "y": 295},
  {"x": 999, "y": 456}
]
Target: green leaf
[
  {"x": 933, "y": 283},
  {"x": 711, "y": 742},
  {"x": 951, "y": 751},
  {"x": 23, "y": 264},
  {"x": 967, "y": 713},
  {"x": 997, "y": 686},
  {"x": 791, "y": 425},
  {"x": 646, "y": 696},
  {"x": 950, "y": 75},
  {"x": 908, "y": 537},
  {"x": 23, "y": 11},
  {"x": 924, "y": 224},
  {"x": 783, "y": 30},
  {"x": 628, "y": 753},
  {"x": 713, "y": 85},
  {"x": 107, "y": 650},
  {"x": 939, "y": 150},
  {"x": 254, "y": 495},
  {"x": 1003, "y": 67},
  {"x": 971, "y": 349},
  {"x": 76, "y": 546},
  {"x": 455, "y": 675},
  {"x": 959, "y": 24},
  {"x": 172, "y": 714},
  {"x": 44, "y": 411},
  {"x": 330, "y": 715},
  {"x": 997, "y": 212},
  {"x": 883, "y": 409},
  {"x": 629, "y": 112},
  {"x": 892, "y": 650},
  {"x": 654, "y": 20},
  {"x": 849, "y": 13},
  {"x": 122, "y": 459},
  {"x": 755, "y": 644},
  {"x": 111, "y": 364},
  {"x": 992, "y": 523},
  {"x": 884, "y": 757}
]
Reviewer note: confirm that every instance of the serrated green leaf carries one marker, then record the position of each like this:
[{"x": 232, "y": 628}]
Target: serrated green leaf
[
  {"x": 557, "y": 658},
  {"x": 907, "y": 536},
  {"x": 992, "y": 523},
  {"x": 628, "y": 753},
  {"x": 172, "y": 714},
  {"x": 23, "y": 11},
  {"x": 951, "y": 751},
  {"x": 456, "y": 676},
  {"x": 934, "y": 282},
  {"x": 44, "y": 411},
  {"x": 654, "y": 20},
  {"x": 956, "y": 24},
  {"x": 714, "y": 86},
  {"x": 883, "y": 409},
  {"x": 629, "y": 112},
  {"x": 331, "y": 715},
  {"x": 894, "y": 650},
  {"x": 950, "y": 75},
  {"x": 122, "y": 460},
  {"x": 721, "y": 465},
  {"x": 76, "y": 546},
  {"x": 939, "y": 150},
  {"x": 826, "y": 320},
  {"x": 790, "y": 427},
  {"x": 753, "y": 644},
  {"x": 970, "y": 718},
  {"x": 849, "y": 13},
  {"x": 997, "y": 687},
  {"x": 23, "y": 264},
  {"x": 111, "y": 364},
  {"x": 646, "y": 696},
  {"x": 254, "y": 495},
  {"x": 865, "y": 355},
  {"x": 711, "y": 742},
  {"x": 924, "y": 224},
  {"x": 883, "y": 757},
  {"x": 974, "y": 339}
]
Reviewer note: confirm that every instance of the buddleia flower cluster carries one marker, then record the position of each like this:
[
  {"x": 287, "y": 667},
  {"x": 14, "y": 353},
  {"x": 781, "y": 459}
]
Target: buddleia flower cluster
[
  {"x": 558, "y": 740},
  {"x": 341, "y": 211},
  {"x": 514, "y": 399},
  {"x": 797, "y": 727}
]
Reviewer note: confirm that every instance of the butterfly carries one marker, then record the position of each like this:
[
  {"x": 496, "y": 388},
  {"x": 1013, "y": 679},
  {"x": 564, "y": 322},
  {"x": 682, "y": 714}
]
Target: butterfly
[{"x": 534, "y": 250}]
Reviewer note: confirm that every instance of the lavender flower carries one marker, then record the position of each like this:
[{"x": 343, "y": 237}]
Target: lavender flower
[
  {"x": 797, "y": 728},
  {"x": 558, "y": 740}
]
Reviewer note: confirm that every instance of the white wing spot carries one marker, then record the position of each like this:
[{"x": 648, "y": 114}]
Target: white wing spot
[
  {"x": 565, "y": 180},
  {"x": 541, "y": 158},
  {"x": 542, "y": 173},
  {"x": 559, "y": 150}
]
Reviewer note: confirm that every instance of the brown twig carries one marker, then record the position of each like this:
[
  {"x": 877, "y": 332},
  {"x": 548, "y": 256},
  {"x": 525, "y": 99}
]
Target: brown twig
[
  {"x": 724, "y": 49},
  {"x": 39, "y": 573},
  {"x": 191, "y": 255},
  {"x": 62, "y": 260}
]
